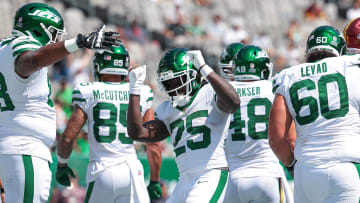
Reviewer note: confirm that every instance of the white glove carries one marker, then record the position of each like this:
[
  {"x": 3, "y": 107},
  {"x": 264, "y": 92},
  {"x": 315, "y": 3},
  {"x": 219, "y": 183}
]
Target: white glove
[
  {"x": 196, "y": 58},
  {"x": 137, "y": 78}
]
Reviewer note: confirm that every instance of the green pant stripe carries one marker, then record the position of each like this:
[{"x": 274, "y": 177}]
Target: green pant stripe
[
  {"x": 220, "y": 187},
  {"x": 29, "y": 179},
  {"x": 89, "y": 191}
]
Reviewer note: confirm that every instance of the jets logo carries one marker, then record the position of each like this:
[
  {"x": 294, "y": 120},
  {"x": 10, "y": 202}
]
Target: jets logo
[{"x": 46, "y": 14}]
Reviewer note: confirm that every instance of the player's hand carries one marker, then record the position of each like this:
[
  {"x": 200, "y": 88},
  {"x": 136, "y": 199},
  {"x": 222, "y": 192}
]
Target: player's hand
[
  {"x": 136, "y": 78},
  {"x": 154, "y": 190},
  {"x": 196, "y": 58},
  {"x": 98, "y": 39},
  {"x": 63, "y": 174}
]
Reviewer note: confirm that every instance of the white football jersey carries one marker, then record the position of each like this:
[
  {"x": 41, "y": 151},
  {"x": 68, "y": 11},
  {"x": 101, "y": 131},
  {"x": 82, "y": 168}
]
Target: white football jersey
[
  {"x": 27, "y": 114},
  {"x": 105, "y": 105},
  {"x": 247, "y": 142},
  {"x": 197, "y": 131},
  {"x": 323, "y": 99}
]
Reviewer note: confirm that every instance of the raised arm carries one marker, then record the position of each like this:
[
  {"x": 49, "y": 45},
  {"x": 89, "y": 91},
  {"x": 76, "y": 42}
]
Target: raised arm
[
  {"x": 280, "y": 129},
  {"x": 30, "y": 61},
  {"x": 151, "y": 131},
  {"x": 227, "y": 98}
]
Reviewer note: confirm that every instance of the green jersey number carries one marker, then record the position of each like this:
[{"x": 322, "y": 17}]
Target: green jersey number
[
  {"x": 9, "y": 106},
  {"x": 237, "y": 124},
  {"x": 182, "y": 125},
  {"x": 110, "y": 122},
  {"x": 312, "y": 102}
]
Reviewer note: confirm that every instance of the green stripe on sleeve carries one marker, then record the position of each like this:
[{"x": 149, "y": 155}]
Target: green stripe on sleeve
[
  {"x": 17, "y": 52},
  {"x": 220, "y": 187},
  {"x": 275, "y": 88},
  {"x": 76, "y": 92},
  {"x": 78, "y": 99},
  {"x": 29, "y": 179},
  {"x": 27, "y": 43},
  {"x": 7, "y": 41},
  {"x": 150, "y": 99},
  {"x": 89, "y": 191}
]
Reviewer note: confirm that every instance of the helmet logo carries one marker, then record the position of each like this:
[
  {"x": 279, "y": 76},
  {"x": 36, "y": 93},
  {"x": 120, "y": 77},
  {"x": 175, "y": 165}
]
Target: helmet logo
[
  {"x": 46, "y": 14},
  {"x": 186, "y": 60}
]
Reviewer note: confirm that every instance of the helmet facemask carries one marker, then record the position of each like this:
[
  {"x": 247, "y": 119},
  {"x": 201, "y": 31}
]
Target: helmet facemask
[
  {"x": 179, "y": 86},
  {"x": 54, "y": 34}
]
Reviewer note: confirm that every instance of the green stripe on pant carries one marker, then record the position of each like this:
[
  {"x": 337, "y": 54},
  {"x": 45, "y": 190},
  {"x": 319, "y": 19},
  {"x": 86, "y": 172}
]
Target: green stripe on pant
[
  {"x": 29, "y": 179},
  {"x": 89, "y": 191},
  {"x": 220, "y": 187}
]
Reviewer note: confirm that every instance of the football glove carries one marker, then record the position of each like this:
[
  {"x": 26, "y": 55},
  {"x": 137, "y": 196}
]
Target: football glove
[
  {"x": 154, "y": 190},
  {"x": 136, "y": 78},
  {"x": 196, "y": 58},
  {"x": 62, "y": 175},
  {"x": 98, "y": 39}
]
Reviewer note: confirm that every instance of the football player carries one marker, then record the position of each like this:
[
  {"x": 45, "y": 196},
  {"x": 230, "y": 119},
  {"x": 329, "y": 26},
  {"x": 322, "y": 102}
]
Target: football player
[
  {"x": 27, "y": 113},
  {"x": 196, "y": 117},
  {"x": 322, "y": 97},
  {"x": 255, "y": 172},
  {"x": 352, "y": 36},
  {"x": 114, "y": 172}
]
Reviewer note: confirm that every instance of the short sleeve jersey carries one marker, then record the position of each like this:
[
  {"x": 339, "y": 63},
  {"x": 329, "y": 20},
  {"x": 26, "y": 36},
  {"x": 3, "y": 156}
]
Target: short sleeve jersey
[
  {"x": 105, "y": 105},
  {"x": 27, "y": 113},
  {"x": 323, "y": 99},
  {"x": 197, "y": 131},
  {"x": 247, "y": 142}
]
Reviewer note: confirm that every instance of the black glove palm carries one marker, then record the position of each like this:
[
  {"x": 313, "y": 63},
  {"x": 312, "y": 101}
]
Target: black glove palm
[
  {"x": 98, "y": 40},
  {"x": 62, "y": 175},
  {"x": 154, "y": 190}
]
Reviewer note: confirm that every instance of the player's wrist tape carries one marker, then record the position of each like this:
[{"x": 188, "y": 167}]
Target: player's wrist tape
[
  {"x": 71, "y": 45},
  {"x": 206, "y": 70},
  {"x": 62, "y": 160},
  {"x": 154, "y": 182},
  {"x": 291, "y": 164},
  {"x": 135, "y": 90}
]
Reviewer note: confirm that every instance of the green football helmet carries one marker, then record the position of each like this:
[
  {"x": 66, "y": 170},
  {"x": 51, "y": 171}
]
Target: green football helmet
[
  {"x": 226, "y": 60},
  {"x": 40, "y": 21},
  {"x": 115, "y": 62},
  {"x": 251, "y": 63},
  {"x": 325, "y": 39},
  {"x": 177, "y": 76}
]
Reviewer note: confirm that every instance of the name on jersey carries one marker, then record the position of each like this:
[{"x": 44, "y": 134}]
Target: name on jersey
[
  {"x": 111, "y": 95},
  {"x": 248, "y": 91},
  {"x": 313, "y": 69}
]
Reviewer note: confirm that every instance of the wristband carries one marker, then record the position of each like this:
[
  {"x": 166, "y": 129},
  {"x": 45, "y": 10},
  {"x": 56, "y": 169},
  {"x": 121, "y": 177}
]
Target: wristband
[
  {"x": 135, "y": 91},
  {"x": 291, "y": 164},
  {"x": 206, "y": 70},
  {"x": 2, "y": 190},
  {"x": 71, "y": 45},
  {"x": 62, "y": 160}
]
